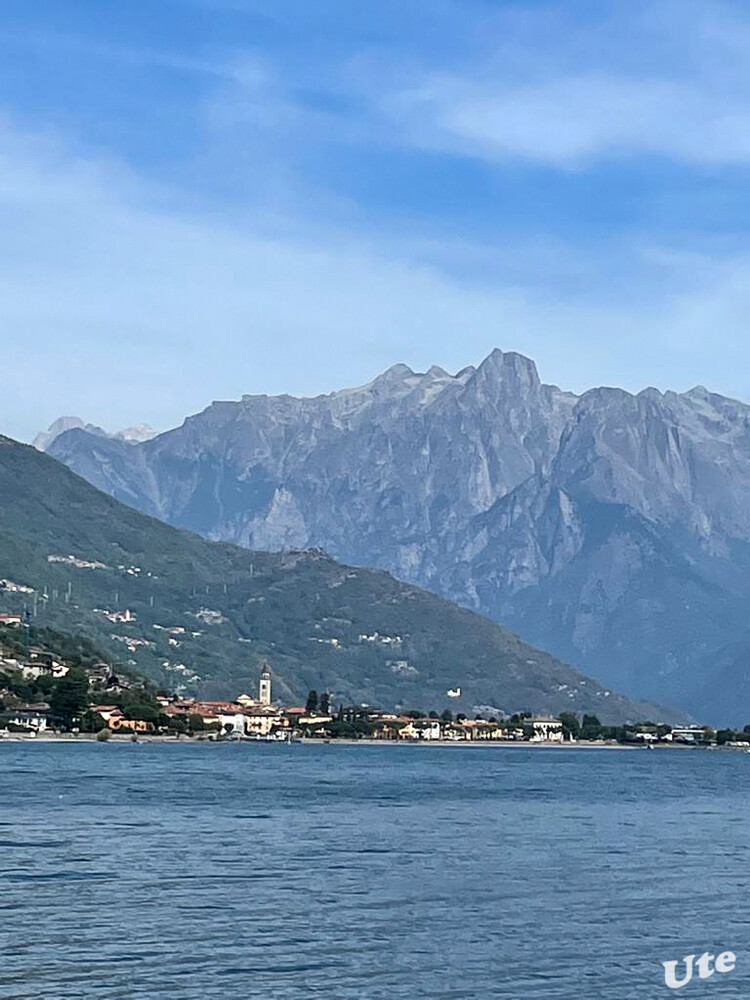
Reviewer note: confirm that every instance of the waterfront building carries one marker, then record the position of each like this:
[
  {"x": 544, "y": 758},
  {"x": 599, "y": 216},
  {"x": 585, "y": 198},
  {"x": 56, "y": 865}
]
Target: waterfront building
[
  {"x": 263, "y": 721},
  {"x": 546, "y": 729},
  {"x": 689, "y": 734},
  {"x": 232, "y": 722},
  {"x": 33, "y": 717},
  {"x": 427, "y": 729},
  {"x": 106, "y": 712}
]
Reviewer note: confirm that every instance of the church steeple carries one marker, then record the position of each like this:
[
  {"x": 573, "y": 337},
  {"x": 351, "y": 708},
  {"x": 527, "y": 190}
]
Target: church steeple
[{"x": 264, "y": 694}]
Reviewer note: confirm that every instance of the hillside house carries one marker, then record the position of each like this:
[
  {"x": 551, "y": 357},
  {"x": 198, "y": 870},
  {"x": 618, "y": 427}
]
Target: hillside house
[{"x": 106, "y": 711}]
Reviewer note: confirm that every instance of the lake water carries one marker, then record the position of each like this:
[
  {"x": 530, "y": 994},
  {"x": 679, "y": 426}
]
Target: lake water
[{"x": 356, "y": 873}]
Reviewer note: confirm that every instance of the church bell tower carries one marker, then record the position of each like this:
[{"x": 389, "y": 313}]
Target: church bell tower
[{"x": 264, "y": 695}]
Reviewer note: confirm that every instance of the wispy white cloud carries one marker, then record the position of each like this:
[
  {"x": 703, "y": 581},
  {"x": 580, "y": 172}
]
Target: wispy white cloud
[
  {"x": 667, "y": 79},
  {"x": 120, "y": 308},
  {"x": 45, "y": 43},
  {"x": 571, "y": 120}
]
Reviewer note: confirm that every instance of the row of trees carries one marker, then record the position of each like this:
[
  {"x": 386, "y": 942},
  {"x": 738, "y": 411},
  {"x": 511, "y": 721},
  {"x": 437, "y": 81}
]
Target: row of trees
[
  {"x": 724, "y": 736},
  {"x": 318, "y": 703}
]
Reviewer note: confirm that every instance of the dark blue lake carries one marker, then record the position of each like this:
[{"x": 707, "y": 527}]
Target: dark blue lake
[{"x": 355, "y": 873}]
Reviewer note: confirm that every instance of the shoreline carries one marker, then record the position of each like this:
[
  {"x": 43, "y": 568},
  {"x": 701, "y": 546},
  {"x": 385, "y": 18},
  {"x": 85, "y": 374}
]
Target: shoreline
[{"x": 126, "y": 740}]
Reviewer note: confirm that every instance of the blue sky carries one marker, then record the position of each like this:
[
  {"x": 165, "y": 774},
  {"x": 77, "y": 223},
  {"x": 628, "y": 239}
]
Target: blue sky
[{"x": 204, "y": 198}]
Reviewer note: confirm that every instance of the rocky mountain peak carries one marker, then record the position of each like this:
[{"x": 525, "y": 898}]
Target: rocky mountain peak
[
  {"x": 698, "y": 392},
  {"x": 396, "y": 373},
  {"x": 651, "y": 393},
  {"x": 136, "y": 434},
  {"x": 45, "y": 438},
  {"x": 510, "y": 374}
]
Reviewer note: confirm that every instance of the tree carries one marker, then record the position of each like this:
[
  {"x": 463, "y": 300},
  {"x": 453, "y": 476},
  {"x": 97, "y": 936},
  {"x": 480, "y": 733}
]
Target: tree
[
  {"x": 571, "y": 725},
  {"x": 311, "y": 705},
  {"x": 142, "y": 711},
  {"x": 325, "y": 703},
  {"x": 350, "y": 729},
  {"x": 69, "y": 698},
  {"x": 176, "y": 723},
  {"x": 196, "y": 723},
  {"x": 725, "y": 736},
  {"x": 92, "y": 722},
  {"x": 591, "y": 728},
  {"x": 447, "y": 715}
]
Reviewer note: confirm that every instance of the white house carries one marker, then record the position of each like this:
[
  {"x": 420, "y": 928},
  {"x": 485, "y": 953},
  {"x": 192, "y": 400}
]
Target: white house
[
  {"x": 545, "y": 729},
  {"x": 233, "y": 722},
  {"x": 30, "y": 716}
]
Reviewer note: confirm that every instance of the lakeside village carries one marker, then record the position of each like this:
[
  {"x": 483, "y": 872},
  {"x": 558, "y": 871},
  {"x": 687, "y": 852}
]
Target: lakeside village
[{"x": 61, "y": 684}]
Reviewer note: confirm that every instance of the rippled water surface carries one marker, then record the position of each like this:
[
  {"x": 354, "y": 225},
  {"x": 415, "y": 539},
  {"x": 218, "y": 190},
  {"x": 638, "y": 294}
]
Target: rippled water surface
[{"x": 355, "y": 873}]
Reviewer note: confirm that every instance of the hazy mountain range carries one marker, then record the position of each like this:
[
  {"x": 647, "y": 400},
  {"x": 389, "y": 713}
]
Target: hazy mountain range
[
  {"x": 612, "y": 529},
  {"x": 136, "y": 434},
  {"x": 201, "y": 616}
]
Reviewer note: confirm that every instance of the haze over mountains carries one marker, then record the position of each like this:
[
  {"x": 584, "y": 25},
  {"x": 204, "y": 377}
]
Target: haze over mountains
[
  {"x": 135, "y": 434},
  {"x": 612, "y": 529}
]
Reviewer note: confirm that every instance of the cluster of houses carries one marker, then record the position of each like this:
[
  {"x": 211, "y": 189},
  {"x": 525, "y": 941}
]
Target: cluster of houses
[
  {"x": 538, "y": 729},
  {"x": 38, "y": 663},
  {"x": 36, "y": 717},
  {"x": 249, "y": 718},
  {"x": 245, "y": 717},
  {"x": 259, "y": 717}
]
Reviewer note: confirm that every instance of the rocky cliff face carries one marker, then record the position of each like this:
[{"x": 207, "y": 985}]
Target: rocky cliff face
[{"x": 612, "y": 529}]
